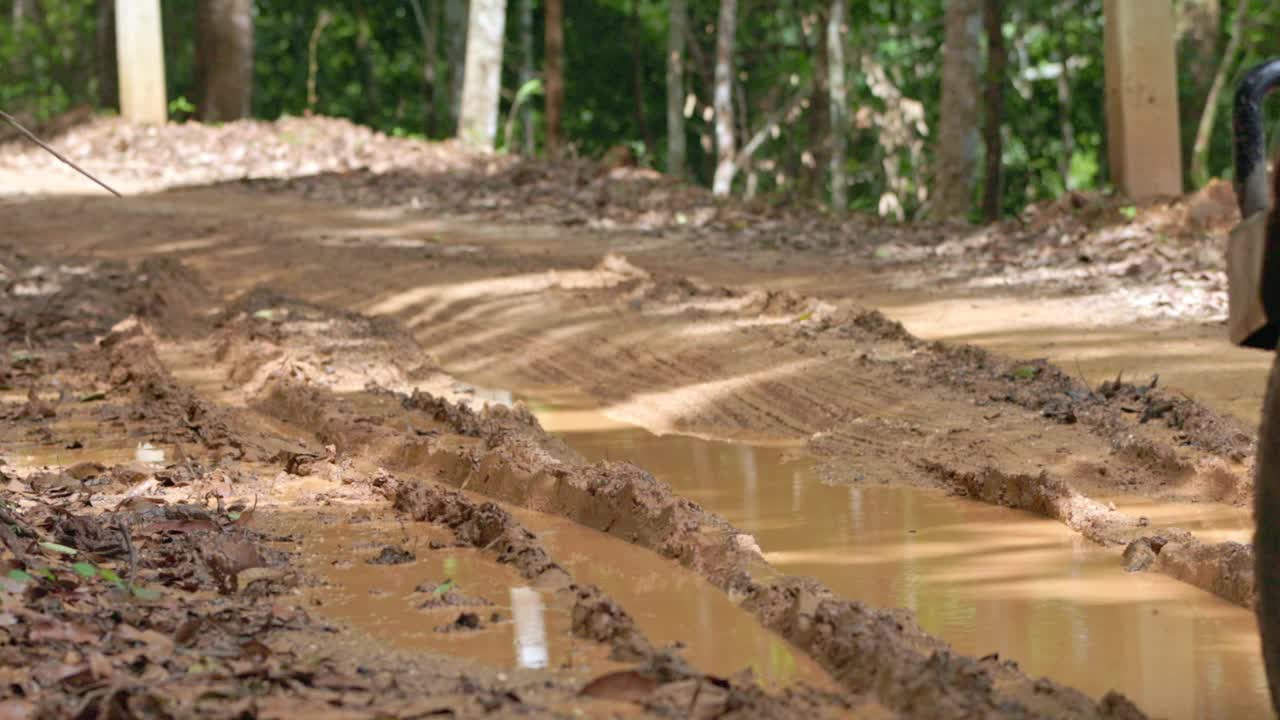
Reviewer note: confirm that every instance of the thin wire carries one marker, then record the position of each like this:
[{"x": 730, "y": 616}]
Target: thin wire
[{"x": 6, "y": 116}]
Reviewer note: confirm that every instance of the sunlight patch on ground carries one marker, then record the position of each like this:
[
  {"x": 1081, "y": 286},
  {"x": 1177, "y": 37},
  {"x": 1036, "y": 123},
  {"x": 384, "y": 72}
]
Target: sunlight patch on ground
[{"x": 660, "y": 412}]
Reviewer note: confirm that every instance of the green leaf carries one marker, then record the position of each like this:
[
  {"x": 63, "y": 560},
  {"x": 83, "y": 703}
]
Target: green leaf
[
  {"x": 443, "y": 588},
  {"x": 266, "y": 314},
  {"x": 61, "y": 549},
  {"x": 45, "y": 573},
  {"x": 1129, "y": 212},
  {"x": 528, "y": 90},
  {"x": 1025, "y": 372},
  {"x": 110, "y": 576},
  {"x": 84, "y": 569},
  {"x": 20, "y": 576}
]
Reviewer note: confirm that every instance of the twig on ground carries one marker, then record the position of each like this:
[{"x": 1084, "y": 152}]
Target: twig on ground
[{"x": 30, "y": 136}]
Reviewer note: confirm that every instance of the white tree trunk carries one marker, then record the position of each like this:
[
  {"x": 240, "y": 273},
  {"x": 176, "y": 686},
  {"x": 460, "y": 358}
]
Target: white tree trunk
[
  {"x": 679, "y": 20},
  {"x": 839, "y": 103},
  {"x": 482, "y": 82},
  {"x": 958, "y": 127},
  {"x": 726, "y": 155},
  {"x": 140, "y": 48}
]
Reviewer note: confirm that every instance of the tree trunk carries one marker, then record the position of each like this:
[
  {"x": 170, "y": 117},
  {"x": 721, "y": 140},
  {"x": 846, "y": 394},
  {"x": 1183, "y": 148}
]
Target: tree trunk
[
  {"x": 528, "y": 72},
  {"x": 814, "y": 157},
  {"x": 726, "y": 155},
  {"x": 637, "y": 72},
  {"x": 997, "y": 63},
  {"x": 455, "y": 20},
  {"x": 553, "y": 80},
  {"x": 957, "y": 150},
  {"x": 839, "y": 103},
  {"x": 105, "y": 55},
  {"x": 1064, "y": 114},
  {"x": 679, "y": 19},
  {"x": 368, "y": 63},
  {"x": 1199, "y": 42},
  {"x": 224, "y": 59},
  {"x": 431, "y": 94},
  {"x": 140, "y": 61},
  {"x": 482, "y": 83},
  {"x": 1200, "y": 151}
]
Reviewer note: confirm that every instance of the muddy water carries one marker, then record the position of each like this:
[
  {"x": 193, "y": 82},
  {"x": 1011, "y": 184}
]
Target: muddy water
[
  {"x": 986, "y": 579},
  {"x": 385, "y": 601},
  {"x": 672, "y": 605}
]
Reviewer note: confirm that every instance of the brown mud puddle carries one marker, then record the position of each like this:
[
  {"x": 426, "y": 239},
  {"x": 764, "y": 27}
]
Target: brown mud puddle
[
  {"x": 985, "y": 578},
  {"x": 428, "y": 603},
  {"x": 673, "y": 605},
  {"x": 451, "y": 601}
]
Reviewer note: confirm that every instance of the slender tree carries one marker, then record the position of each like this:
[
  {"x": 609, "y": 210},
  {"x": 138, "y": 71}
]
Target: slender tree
[
  {"x": 431, "y": 85},
  {"x": 839, "y": 109},
  {"x": 455, "y": 22},
  {"x": 224, "y": 59},
  {"x": 722, "y": 99},
  {"x": 637, "y": 76},
  {"x": 528, "y": 71},
  {"x": 1200, "y": 150},
  {"x": 482, "y": 82},
  {"x": 553, "y": 80},
  {"x": 1064, "y": 112},
  {"x": 105, "y": 54},
  {"x": 677, "y": 27},
  {"x": 997, "y": 66},
  {"x": 957, "y": 152}
]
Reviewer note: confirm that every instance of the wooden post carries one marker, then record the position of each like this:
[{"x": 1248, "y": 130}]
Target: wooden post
[
  {"x": 1144, "y": 150},
  {"x": 140, "y": 53}
]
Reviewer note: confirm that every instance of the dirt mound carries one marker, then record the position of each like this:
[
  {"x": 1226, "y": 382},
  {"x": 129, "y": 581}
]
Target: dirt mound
[{"x": 174, "y": 154}]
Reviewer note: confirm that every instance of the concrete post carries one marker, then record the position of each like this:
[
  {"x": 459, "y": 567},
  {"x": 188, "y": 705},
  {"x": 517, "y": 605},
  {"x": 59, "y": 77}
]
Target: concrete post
[
  {"x": 1144, "y": 153},
  {"x": 140, "y": 57}
]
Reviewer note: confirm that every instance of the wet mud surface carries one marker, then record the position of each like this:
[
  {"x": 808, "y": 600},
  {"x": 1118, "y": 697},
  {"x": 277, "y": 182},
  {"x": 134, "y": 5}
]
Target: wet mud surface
[{"x": 968, "y": 518}]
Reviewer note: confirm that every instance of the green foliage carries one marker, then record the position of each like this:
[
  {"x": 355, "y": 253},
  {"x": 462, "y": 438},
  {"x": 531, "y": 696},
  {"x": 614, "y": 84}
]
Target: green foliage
[
  {"x": 370, "y": 68},
  {"x": 49, "y": 60}
]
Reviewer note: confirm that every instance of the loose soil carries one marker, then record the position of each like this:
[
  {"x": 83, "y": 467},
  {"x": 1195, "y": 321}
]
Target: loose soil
[{"x": 306, "y": 352}]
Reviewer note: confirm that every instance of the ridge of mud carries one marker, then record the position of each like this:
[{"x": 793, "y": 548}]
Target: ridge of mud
[
  {"x": 1031, "y": 384},
  {"x": 1224, "y": 569},
  {"x": 596, "y": 617},
  {"x": 867, "y": 651},
  {"x": 487, "y": 526}
]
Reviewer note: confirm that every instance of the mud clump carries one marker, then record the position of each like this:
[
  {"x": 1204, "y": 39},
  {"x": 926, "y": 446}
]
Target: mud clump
[
  {"x": 165, "y": 407},
  {"x": 392, "y": 556},
  {"x": 487, "y": 526},
  {"x": 1139, "y": 555}
]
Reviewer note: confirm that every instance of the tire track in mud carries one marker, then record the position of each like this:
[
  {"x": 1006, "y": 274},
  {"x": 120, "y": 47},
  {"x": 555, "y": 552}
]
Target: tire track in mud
[
  {"x": 803, "y": 611},
  {"x": 505, "y": 455},
  {"x": 875, "y": 401}
]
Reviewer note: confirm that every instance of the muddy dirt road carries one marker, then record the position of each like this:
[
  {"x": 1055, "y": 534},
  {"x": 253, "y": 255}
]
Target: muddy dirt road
[{"x": 703, "y": 459}]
